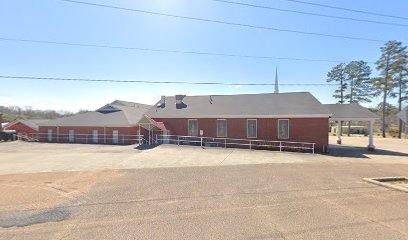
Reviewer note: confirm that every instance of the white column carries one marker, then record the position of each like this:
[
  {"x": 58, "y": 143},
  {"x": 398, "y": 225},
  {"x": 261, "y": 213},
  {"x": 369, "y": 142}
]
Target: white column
[
  {"x": 58, "y": 139},
  {"x": 371, "y": 146},
  {"x": 339, "y": 130},
  {"x": 104, "y": 135}
]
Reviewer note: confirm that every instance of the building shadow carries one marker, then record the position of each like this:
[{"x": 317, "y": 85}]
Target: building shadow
[{"x": 360, "y": 152}]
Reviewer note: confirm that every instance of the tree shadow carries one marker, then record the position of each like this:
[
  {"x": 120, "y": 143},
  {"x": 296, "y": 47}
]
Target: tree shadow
[
  {"x": 360, "y": 152},
  {"x": 146, "y": 147}
]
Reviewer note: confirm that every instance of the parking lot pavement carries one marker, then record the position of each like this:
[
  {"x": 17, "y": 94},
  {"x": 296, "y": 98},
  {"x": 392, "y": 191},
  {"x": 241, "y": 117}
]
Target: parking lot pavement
[
  {"x": 263, "y": 201},
  {"x": 22, "y": 157}
]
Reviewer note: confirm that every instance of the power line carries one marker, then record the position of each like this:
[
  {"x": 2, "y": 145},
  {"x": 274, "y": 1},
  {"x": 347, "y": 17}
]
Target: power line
[
  {"x": 157, "y": 82},
  {"x": 217, "y": 54},
  {"x": 227, "y": 23},
  {"x": 348, "y": 9},
  {"x": 309, "y": 13}
]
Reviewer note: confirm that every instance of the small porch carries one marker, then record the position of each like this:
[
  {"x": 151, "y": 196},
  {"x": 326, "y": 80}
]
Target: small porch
[{"x": 152, "y": 128}]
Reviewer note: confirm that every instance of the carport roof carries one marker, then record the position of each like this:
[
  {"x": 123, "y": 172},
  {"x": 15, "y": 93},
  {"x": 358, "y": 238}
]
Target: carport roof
[{"x": 350, "y": 112}]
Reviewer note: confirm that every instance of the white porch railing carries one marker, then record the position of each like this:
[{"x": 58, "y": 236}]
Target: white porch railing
[
  {"x": 233, "y": 142},
  {"x": 88, "y": 138}
]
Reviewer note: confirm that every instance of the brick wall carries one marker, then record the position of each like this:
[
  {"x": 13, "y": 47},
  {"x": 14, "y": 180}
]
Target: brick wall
[
  {"x": 85, "y": 134},
  {"x": 21, "y": 128},
  {"x": 313, "y": 130}
]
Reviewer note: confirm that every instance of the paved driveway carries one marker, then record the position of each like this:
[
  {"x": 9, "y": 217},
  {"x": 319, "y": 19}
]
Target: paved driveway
[
  {"x": 272, "y": 201},
  {"x": 22, "y": 157},
  {"x": 175, "y": 192}
]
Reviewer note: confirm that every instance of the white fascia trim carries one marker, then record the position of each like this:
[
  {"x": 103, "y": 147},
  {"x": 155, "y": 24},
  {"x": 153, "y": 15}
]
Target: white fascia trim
[
  {"x": 353, "y": 119},
  {"x": 89, "y": 126},
  {"x": 247, "y": 116}
]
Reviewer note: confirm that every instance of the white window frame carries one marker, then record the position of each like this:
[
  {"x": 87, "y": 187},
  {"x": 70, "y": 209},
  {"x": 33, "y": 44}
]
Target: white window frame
[
  {"x": 188, "y": 128},
  {"x": 71, "y": 136},
  {"x": 226, "y": 128},
  {"x": 279, "y": 120},
  {"x": 256, "y": 127},
  {"x": 49, "y": 135},
  {"x": 115, "y": 137},
  {"x": 95, "y": 134}
]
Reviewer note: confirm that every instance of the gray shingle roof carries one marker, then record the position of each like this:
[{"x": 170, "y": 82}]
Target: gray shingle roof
[
  {"x": 126, "y": 116},
  {"x": 245, "y": 105},
  {"x": 130, "y": 104},
  {"x": 32, "y": 123},
  {"x": 350, "y": 112},
  {"x": 119, "y": 105}
]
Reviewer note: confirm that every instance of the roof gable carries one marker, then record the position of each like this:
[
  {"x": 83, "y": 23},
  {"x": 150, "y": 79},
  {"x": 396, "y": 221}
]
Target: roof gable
[
  {"x": 31, "y": 123},
  {"x": 108, "y": 108},
  {"x": 109, "y": 115}
]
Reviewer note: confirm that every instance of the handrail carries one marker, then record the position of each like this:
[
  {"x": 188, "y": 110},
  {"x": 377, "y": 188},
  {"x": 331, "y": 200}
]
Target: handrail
[
  {"x": 236, "y": 139},
  {"x": 162, "y": 138},
  {"x": 89, "y": 138}
]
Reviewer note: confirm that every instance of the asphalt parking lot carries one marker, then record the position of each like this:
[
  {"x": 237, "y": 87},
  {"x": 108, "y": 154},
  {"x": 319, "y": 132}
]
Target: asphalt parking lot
[
  {"x": 23, "y": 157},
  {"x": 203, "y": 196}
]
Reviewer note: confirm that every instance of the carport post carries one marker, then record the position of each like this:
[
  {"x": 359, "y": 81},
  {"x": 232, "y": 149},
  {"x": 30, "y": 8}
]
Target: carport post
[
  {"x": 339, "y": 132},
  {"x": 371, "y": 146}
]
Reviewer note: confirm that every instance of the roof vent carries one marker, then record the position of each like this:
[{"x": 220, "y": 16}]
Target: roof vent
[
  {"x": 179, "y": 99},
  {"x": 162, "y": 102}
]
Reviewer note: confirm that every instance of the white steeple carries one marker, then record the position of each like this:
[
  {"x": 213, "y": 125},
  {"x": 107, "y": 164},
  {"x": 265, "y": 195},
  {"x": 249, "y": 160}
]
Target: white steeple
[{"x": 276, "y": 81}]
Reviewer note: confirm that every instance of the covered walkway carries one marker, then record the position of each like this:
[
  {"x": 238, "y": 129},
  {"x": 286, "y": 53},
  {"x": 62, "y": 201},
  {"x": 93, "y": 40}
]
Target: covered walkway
[{"x": 353, "y": 112}]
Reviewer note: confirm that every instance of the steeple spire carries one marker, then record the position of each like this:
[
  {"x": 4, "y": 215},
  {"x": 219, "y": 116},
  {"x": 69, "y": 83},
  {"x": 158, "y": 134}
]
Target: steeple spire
[{"x": 276, "y": 81}]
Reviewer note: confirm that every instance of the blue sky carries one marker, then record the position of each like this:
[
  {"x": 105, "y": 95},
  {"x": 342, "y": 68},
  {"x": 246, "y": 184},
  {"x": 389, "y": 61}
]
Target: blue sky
[{"x": 55, "y": 20}]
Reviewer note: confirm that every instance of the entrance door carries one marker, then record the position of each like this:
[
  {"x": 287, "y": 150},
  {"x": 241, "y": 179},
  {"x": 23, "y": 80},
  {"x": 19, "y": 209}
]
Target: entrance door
[
  {"x": 71, "y": 136},
  {"x": 95, "y": 136},
  {"x": 115, "y": 137}
]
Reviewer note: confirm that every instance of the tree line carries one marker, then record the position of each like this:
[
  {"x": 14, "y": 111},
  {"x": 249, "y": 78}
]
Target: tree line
[
  {"x": 356, "y": 85},
  {"x": 14, "y": 112}
]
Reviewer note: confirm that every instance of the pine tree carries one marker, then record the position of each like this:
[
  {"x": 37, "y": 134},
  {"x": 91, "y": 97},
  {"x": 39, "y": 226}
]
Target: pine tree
[
  {"x": 338, "y": 74},
  {"x": 360, "y": 88},
  {"x": 389, "y": 65},
  {"x": 401, "y": 82}
]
